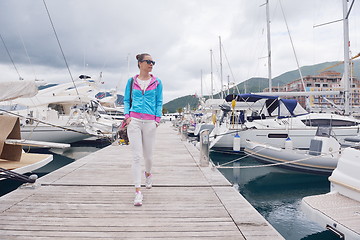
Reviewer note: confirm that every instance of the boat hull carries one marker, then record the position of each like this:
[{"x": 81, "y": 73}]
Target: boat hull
[
  {"x": 29, "y": 162},
  {"x": 53, "y": 134},
  {"x": 291, "y": 159},
  {"x": 301, "y": 138},
  {"x": 345, "y": 179}
]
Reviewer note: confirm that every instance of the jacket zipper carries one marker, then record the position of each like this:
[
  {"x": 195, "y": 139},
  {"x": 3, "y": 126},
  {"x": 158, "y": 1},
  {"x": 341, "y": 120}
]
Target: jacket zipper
[{"x": 143, "y": 91}]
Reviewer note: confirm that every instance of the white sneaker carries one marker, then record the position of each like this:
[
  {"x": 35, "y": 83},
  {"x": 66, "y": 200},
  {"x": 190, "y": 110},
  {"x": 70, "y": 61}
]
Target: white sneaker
[
  {"x": 148, "y": 181},
  {"x": 138, "y": 199}
]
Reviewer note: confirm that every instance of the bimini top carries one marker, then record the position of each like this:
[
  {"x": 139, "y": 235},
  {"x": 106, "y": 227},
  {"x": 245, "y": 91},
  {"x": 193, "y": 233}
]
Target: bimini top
[
  {"x": 274, "y": 105},
  {"x": 248, "y": 97}
]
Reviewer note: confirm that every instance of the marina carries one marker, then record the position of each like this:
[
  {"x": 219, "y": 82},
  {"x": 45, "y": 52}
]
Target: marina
[
  {"x": 92, "y": 197},
  {"x": 271, "y": 153}
]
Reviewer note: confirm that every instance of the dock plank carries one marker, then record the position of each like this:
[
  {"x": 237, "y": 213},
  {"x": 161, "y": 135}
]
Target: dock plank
[{"x": 92, "y": 198}]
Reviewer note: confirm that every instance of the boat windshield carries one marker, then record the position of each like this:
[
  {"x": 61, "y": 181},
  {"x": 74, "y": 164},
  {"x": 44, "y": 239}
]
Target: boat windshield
[{"x": 323, "y": 131}]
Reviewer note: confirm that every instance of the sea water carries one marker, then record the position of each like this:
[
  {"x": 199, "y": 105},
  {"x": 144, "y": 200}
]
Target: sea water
[
  {"x": 61, "y": 157},
  {"x": 276, "y": 193}
]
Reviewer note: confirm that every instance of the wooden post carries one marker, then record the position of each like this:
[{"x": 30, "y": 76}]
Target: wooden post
[
  {"x": 114, "y": 131},
  {"x": 204, "y": 148},
  {"x": 184, "y": 128}
]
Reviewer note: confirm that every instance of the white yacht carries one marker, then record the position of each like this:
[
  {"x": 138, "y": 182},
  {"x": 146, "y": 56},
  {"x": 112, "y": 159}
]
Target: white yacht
[
  {"x": 63, "y": 113},
  {"x": 277, "y": 120},
  {"x": 13, "y": 160}
]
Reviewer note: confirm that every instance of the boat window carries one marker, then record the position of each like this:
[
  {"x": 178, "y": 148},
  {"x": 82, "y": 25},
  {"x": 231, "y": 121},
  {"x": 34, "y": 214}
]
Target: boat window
[
  {"x": 328, "y": 122},
  {"x": 278, "y": 135},
  {"x": 57, "y": 107},
  {"x": 323, "y": 131}
]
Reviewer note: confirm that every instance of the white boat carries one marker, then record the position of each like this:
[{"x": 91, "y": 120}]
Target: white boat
[
  {"x": 13, "y": 160},
  {"x": 345, "y": 179},
  {"x": 321, "y": 158},
  {"x": 338, "y": 210},
  {"x": 277, "y": 120},
  {"x": 300, "y": 127},
  {"x": 12, "y": 157},
  {"x": 64, "y": 114},
  {"x": 28, "y": 162},
  {"x": 215, "y": 112}
]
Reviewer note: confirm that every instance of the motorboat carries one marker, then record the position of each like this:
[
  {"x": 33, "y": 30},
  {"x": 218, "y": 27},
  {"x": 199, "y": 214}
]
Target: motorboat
[
  {"x": 345, "y": 178},
  {"x": 337, "y": 210},
  {"x": 321, "y": 158}
]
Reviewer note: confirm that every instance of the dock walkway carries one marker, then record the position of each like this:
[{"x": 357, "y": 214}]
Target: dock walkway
[{"x": 92, "y": 198}]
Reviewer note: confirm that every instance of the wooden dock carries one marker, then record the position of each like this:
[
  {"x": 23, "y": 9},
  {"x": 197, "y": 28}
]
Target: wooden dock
[{"x": 92, "y": 198}]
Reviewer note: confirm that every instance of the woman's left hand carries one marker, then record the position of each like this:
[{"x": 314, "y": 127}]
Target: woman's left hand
[{"x": 128, "y": 120}]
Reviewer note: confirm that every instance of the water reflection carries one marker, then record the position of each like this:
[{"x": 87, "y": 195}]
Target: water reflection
[{"x": 276, "y": 193}]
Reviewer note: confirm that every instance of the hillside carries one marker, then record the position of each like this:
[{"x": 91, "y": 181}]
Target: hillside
[{"x": 258, "y": 84}]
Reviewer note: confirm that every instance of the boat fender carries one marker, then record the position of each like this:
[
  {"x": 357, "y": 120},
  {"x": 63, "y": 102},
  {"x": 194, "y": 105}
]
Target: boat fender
[
  {"x": 288, "y": 144},
  {"x": 236, "y": 143},
  {"x": 213, "y": 118}
]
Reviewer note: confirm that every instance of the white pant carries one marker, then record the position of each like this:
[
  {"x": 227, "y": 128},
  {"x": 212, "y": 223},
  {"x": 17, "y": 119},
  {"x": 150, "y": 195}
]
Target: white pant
[{"x": 142, "y": 141}]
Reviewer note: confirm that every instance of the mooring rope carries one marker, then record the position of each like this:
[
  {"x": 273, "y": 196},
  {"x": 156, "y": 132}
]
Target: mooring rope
[
  {"x": 8, "y": 174},
  {"x": 53, "y": 125},
  {"x": 273, "y": 164}
]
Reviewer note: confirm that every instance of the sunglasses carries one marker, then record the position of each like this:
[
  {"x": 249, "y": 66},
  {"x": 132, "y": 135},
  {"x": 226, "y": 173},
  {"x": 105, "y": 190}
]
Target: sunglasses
[{"x": 148, "y": 62}]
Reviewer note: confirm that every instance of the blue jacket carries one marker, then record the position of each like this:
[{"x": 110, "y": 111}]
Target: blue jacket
[{"x": 146, "y": 104}]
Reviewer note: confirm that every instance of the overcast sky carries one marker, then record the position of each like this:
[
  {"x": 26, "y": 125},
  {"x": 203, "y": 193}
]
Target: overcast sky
[{"x": 105, "y": 35}]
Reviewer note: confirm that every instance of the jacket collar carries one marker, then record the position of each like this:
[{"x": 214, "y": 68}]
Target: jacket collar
[{"x": 153, "y": 78}]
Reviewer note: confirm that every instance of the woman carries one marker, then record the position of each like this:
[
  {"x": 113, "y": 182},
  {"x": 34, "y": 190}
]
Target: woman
[{"x": 143, "y": 109}]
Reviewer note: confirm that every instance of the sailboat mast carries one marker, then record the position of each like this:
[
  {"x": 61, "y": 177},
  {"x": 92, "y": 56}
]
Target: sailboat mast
[
  {"x": 268, "y": 44},
  {"x": 201, "y": 81},
  {"x": 211, "y": 74},
  {"x": 346, "y": 58},
  {"x": 221, "y": 70}
]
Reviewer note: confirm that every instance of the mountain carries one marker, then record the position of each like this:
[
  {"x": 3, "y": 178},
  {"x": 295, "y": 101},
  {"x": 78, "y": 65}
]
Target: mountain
[
  {"x": 257, "y": 84},
  {"x": 181, "y": 102}
]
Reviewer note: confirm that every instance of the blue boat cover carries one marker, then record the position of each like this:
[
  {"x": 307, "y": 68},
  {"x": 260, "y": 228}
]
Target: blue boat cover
[
  {"x": 247, "y": 97},
  {"x": 290, "y": 104},
  {"x": 285, "y": 107}
]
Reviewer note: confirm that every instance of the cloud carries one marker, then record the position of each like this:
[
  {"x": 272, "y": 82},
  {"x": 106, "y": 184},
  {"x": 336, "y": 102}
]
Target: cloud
[{"x": 104, "y": 36}]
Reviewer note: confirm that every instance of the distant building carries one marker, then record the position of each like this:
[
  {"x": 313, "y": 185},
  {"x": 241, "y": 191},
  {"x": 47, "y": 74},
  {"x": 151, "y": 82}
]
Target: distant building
[{"x": 325, "y": 81}]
